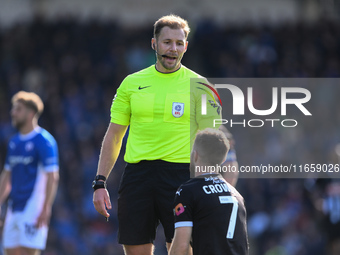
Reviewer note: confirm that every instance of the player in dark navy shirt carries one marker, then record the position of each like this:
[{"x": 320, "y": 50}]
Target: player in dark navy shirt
[{"x": 208, "y": 210}]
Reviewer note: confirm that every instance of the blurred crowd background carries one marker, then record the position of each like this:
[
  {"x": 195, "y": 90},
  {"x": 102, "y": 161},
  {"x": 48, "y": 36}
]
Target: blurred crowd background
[{"x": 76, "y": 67}]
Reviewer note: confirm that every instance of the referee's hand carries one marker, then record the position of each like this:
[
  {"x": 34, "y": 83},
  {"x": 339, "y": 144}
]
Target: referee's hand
[{"x": 101, "y": 201}]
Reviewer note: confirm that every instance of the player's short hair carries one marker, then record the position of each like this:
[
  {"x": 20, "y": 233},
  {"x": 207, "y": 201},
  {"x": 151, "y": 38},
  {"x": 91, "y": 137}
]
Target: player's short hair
[
  {"x": 212, "y": 146},
  {"x": 172, "y": 21},
  {"x": 30, "y": 100}
]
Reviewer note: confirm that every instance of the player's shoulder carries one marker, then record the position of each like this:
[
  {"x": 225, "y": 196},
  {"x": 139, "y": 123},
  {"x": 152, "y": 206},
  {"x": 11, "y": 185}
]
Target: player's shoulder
[
  {"x": 13, "y": 142},
  {"x": 234, "y": 192},
  {"x": 14, "y": 138},
  {"x": 187, "y": 190},
  {"x": 192, "y": 184},
  {"x": 44, "y": 136}
]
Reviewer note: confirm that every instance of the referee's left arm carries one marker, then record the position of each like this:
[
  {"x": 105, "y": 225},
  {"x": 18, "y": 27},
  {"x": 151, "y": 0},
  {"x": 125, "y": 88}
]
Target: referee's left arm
[
  {"x": 112, "y": 143},
  {"x": 111, "y": 146}
]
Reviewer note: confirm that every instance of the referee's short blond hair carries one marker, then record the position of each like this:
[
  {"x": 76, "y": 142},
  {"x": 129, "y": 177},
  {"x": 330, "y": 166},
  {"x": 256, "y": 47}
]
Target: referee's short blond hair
[
  {"x": 212, "y": 146},
  {"x": 30, "y": 100},
  {"x": 172, "y": 21}
]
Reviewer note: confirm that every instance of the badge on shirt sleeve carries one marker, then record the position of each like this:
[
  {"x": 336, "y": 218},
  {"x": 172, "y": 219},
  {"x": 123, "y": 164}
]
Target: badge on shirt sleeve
[
  {"x": 177, "y": 109},
  {"x": 179, "y": 209}
]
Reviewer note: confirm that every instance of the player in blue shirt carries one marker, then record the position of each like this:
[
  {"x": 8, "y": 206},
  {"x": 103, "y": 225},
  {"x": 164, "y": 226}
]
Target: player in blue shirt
[{"x": 30, "y": 179}]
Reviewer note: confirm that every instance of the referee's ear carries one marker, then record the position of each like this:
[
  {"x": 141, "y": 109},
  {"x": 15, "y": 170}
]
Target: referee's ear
[
  {"x": 153, "y": 43},
  {"x": 186, "y": 46}
]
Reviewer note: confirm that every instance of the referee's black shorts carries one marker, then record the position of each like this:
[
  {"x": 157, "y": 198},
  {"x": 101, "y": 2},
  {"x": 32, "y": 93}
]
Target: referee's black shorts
[{"x": 145, "y": 198}]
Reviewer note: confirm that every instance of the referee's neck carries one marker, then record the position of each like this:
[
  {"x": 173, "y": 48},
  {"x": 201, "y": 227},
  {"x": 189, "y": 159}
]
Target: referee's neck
[{"x": 160, "y": 70}]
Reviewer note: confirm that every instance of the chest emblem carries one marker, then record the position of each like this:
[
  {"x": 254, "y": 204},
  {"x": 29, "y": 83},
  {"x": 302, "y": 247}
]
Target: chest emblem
[
  {"x": 29, "y": 146},
  {"x": 177, "y": 109}
]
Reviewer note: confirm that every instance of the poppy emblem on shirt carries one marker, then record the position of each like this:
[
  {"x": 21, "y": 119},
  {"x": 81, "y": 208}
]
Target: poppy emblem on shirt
[
  {"x": 179, "y": 209},
  {"x": 177, "y": 109}
]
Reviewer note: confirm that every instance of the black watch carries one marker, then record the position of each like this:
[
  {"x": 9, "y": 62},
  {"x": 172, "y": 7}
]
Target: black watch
[
  {"x": 98, "y": 185},
  {"x": 100, "y": 177}
]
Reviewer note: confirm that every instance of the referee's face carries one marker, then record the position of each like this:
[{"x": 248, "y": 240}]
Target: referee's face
[{"x": 171, "y": 45}]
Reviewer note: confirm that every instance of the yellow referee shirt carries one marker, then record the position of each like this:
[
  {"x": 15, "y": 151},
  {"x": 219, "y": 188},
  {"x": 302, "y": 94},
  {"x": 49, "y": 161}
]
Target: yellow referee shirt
[{"x": 157, "y": 108}]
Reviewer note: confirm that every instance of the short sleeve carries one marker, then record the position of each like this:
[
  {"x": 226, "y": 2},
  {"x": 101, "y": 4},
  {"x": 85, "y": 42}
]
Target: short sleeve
[
  {"x": 213, "y": 107},
  {"x": 183, "y": 207},
  {"x": 120, "y": 108},
  {"x": 48, "y": 152}
]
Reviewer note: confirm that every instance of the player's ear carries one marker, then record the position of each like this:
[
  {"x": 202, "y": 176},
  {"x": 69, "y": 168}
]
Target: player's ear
[
  {"x": 153, "y": 43},
  {"x": 195, "y": 155},
  {"x": 31, "y": 113}
]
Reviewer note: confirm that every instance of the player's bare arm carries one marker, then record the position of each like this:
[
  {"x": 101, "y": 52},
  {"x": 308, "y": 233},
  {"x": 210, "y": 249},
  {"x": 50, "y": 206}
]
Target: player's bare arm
[
  {"x": 5, "y": 186},
  {"x": 51, "y": 191},
  {"x": 181, "y": 243},
  {"x": 111, "y": 146}
]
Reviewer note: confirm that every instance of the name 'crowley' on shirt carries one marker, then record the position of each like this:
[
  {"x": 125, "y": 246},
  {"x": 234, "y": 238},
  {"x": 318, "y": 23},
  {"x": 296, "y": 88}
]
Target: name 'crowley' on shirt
[{"x": 216, "y": 188}]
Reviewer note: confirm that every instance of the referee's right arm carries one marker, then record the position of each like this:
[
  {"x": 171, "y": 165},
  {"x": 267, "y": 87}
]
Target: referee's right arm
[{"x": 109, "y": 152}]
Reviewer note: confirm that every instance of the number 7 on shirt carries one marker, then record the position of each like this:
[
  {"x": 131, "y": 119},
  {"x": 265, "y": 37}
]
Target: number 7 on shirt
[{"x": 232, "y": 220}]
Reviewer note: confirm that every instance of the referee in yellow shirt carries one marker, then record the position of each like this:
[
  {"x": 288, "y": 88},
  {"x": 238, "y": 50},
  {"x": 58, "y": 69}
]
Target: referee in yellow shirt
[{"x": 156, "y": 103}]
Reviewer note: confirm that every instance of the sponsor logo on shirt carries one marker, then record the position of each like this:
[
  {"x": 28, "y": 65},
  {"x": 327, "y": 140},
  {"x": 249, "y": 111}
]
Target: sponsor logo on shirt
[
  {"x": 29, "y": 146},
  {"x": 143, "y": 87},
  {"x": 213, "y": 179},
  {"x": 179, "y": 209},
  {"x": 14, "y": 160},
  {"x": 214, "y": 105},
  {"x": 177, "y": 109}
]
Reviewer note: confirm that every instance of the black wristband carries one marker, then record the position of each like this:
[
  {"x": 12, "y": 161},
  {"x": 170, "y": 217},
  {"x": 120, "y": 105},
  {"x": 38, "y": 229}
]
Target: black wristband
[
  {"x": 98, "y": 185},
  {"x": 100, "y": 177}
]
